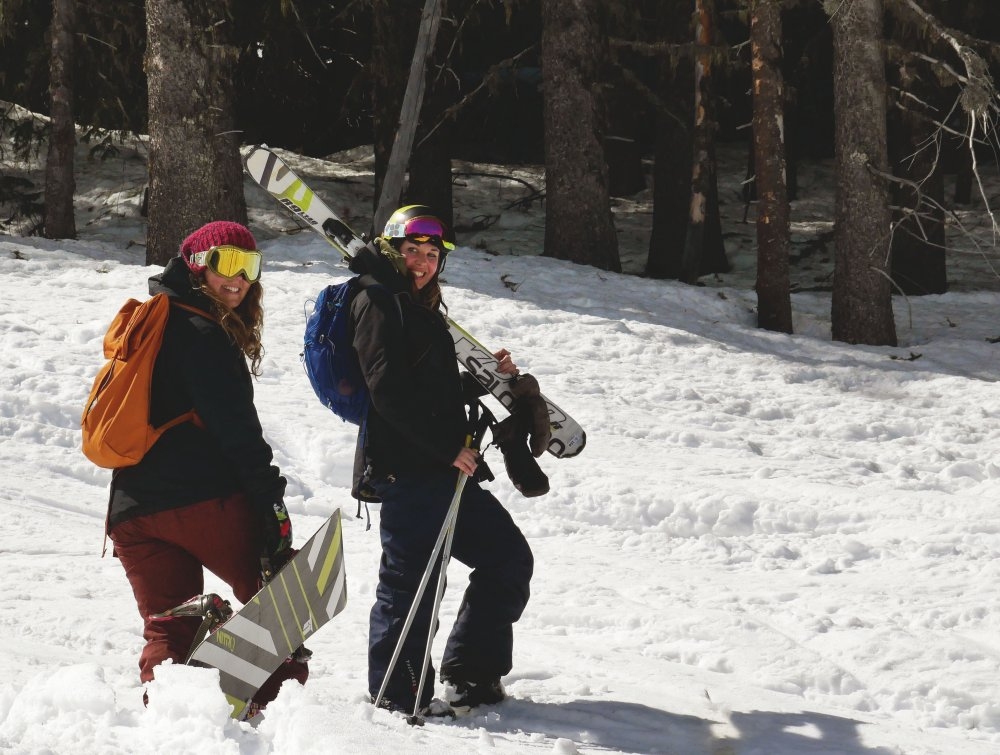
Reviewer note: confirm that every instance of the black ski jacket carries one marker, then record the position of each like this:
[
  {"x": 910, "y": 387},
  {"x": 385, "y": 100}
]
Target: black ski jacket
[
  {"x": 198, "y": 366},
  {"x": 417, "y": 421}
]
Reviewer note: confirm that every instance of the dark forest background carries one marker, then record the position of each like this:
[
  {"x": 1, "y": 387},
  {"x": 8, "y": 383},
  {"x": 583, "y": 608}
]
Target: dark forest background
[
  {"x": 652, "y": 82},
  {"x": 304, "y": 75}
]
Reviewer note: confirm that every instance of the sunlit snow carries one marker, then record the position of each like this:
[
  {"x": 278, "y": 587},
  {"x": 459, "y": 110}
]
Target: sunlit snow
[{"x": 771, "y": 544}]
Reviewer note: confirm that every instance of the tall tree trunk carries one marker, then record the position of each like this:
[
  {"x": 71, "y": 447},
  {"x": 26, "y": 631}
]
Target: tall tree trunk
[
  {"x": 774, "y": 306},
  {"x": 195, "y": 172},
  {"x": 703, "y": 248},
  {"x": 408, "y": 120},
  {"x": 430, "y": 164},
  {"x": 961, "y": 151},
  {"x": 395, "y": 25},
  {"x": 60, "y": 184},
  {"x": 578, "y": 221},
  {"x": 918, "y": 238},
  {"x": 862, "y": 298},
  {"x": 674, "y": 148}
]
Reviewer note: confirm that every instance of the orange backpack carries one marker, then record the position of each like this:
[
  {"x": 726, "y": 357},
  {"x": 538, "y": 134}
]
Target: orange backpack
[{"x": 116, "y": 428}]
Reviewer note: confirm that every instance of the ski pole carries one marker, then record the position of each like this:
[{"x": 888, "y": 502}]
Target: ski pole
[
  {"x": 442, "y": 535},
  {"x": 445, "y": 536},
  {"x": 442, "y": 578}
]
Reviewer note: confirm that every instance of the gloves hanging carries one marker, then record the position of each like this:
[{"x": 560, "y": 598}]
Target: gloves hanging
[
  {"x": 529, "y": 404},
  {"x": 529, "y": 416}
]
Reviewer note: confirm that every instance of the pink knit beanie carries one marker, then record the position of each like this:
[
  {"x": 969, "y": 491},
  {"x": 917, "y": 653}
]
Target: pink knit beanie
[{"x": 216, "y": 233}]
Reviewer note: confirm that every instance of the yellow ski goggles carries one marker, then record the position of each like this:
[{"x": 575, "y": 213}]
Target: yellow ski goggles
[{"x": 230, "y": 261}]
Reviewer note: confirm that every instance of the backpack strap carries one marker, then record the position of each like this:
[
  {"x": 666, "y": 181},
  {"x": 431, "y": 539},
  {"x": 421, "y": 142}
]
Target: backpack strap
[
  {"x": 193, "y": 309},
  {"x": 192, "y": 415}
]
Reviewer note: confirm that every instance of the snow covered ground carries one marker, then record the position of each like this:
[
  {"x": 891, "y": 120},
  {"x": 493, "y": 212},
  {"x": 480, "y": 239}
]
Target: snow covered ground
[{"x": 772, "y": 544}]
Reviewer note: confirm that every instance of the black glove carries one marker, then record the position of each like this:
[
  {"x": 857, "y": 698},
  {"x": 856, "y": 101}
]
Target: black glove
[
  {"x": 530, "y": 406},
  {"x": 276, "y": 530},
  {"x": 483, "y": 473},
  {"x": 511, "y": 437}
]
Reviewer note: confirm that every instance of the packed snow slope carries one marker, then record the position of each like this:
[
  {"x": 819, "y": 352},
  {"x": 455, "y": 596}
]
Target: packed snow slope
[{"x": 771, "y": 544}]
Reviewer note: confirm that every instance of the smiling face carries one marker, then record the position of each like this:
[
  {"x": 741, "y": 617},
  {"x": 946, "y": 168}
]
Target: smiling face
[
  {"x": 422, "y": 261},
  {"x": 230, "y": 291}
]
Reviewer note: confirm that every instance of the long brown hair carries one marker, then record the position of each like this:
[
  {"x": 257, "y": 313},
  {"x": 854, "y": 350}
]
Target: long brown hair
[
  {"x": 244, "y": 324},
  {"x": 429, "y": 296}
]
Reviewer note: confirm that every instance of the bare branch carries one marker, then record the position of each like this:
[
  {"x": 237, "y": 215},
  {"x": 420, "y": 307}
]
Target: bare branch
[{"x": 491, "y": 77}]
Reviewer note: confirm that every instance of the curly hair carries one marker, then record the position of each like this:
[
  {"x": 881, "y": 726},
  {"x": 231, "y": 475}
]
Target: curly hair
[{"x": 244, "y": 324}]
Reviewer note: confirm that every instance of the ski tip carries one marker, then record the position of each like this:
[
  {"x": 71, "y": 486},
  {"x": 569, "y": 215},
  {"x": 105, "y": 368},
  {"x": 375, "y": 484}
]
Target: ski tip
[
  {"x": 247, "y": 153},
  {"x": 250, "y": 149}
]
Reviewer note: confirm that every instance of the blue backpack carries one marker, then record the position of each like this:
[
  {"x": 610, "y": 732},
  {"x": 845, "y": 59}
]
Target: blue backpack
[{"x": 328, "y": 355}]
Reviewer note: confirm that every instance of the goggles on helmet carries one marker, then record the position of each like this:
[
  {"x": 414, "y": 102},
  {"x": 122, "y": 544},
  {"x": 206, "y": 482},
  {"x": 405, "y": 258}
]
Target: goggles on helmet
[
  {"x": 421, "y": 229},
  {"x": 230, "y": 261}
]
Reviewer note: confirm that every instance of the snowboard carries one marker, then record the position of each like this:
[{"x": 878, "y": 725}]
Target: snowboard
[
  {"x": 272, "y": 173},
  {"x": 306, "y": 593}
]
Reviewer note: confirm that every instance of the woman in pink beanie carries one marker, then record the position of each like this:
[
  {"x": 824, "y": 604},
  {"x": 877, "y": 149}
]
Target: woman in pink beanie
[{"x": 207, "y": 494}]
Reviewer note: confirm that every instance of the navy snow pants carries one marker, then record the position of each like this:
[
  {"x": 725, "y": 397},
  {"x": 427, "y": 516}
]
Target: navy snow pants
[{"x": 487, "y": 541}]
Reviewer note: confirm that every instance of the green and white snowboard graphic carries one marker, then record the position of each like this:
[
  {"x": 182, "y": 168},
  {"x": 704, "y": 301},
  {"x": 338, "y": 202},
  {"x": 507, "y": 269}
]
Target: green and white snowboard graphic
[{"x": 304, "y": 595}]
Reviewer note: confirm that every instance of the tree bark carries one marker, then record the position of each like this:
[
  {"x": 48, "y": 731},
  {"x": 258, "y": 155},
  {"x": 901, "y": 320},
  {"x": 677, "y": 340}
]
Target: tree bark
[
  {"x": 774, "y": 307},
  {"x": 862, "y": 298},
  {"x": 674, "y": 148},
  {"x": 391, "y": 190},
  {"x": 60, "y": 183},
  {"x": 579, "y": 225},
  {"x": 395, "y": 27},
  {"x": 430, "y": 181},
  {"x": 195, "y": 172},
  {"x": 964, "y": 176},
  {"x": 703, "y": 248}
]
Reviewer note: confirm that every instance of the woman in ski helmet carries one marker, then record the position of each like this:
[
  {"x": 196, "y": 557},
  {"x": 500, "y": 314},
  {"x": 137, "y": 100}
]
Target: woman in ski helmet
[{"x": 409, "y": 454}]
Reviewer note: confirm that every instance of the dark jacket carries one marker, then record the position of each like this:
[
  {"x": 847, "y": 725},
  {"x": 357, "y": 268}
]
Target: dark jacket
[
  {"x": 198, "y": 366},
  {"x": 417, "y": 421}
]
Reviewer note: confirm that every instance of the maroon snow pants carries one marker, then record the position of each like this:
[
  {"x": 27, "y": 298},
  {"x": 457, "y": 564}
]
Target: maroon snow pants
[{"x": 164, "y": 554}]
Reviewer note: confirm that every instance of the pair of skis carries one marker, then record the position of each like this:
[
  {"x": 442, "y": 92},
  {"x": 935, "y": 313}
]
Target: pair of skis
[{"x": 280, "y": 181}]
